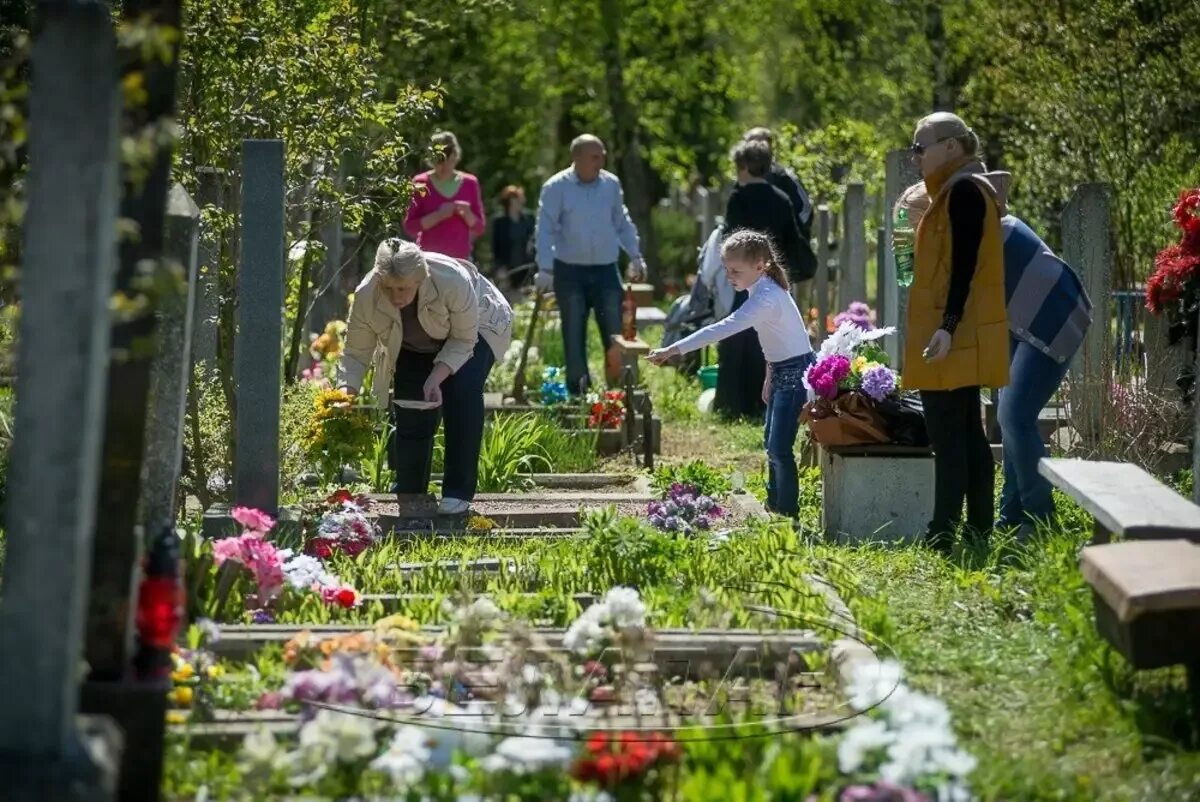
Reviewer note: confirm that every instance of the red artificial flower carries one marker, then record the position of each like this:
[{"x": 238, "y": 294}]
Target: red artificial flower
[
  {"x": 340, "y": 496},
  {"x": 345, "y": 597},
  {"x": 1187, "y": 212},
  {"x": 319, "y": 547}
]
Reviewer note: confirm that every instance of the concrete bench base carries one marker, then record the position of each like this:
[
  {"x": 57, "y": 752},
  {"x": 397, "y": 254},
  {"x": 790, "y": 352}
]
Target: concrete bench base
[{"x": 874, "y": 493}]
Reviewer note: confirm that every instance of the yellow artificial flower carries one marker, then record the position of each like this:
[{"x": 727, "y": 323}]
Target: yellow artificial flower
[
  {"x": 859, "y": 364},
  {"x": 183, "y": 672},
  {"x": 215, "y": 671},
  {"x": 182, "y": 696},
  {"x": 176, "y": 717}
]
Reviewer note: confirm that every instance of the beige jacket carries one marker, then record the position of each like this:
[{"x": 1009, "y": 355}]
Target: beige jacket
[{"x": 455, "y": 303}]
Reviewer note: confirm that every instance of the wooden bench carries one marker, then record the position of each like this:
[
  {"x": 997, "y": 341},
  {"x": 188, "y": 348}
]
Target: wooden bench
[
  {"x": 1124, "y": 500},
  {"x": 1147, "y": 599}
]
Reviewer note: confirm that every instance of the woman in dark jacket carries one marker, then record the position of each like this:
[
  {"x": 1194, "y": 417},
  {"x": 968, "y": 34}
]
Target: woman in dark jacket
[
  {"x": 756, "y": 205},
  {"x": 512, "y": 238}
]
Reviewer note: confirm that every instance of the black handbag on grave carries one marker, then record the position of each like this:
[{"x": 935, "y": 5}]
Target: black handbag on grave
[{"x": 905, "y": 418}]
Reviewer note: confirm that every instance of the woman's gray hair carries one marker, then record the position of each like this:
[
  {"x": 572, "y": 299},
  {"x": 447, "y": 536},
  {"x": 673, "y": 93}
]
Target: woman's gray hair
[{"x": 397, "y": 258}]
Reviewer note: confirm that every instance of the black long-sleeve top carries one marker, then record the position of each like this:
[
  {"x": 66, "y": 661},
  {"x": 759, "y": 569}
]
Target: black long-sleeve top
[
  {"x": 762, "y": 207},
  {"x": 512, "y": 240},
  {"x": 967, "y": 208}
]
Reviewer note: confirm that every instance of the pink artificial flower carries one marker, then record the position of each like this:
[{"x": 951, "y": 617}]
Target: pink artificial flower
[
  {"x": 253, "y": 520},
  {"x": 227, "y": 548},
  {"x": 824, "y": 376}
]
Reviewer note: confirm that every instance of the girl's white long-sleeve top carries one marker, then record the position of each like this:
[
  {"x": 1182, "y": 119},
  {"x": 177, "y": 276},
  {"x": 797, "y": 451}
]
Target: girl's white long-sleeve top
[{"x": 771, "y": 312}]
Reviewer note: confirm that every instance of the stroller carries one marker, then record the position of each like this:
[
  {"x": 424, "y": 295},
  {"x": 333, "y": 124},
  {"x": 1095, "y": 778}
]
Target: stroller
[{"x": 710, "y": 300}]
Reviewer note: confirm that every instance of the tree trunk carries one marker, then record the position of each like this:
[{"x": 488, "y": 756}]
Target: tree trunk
[{"x": 626, "y": 141}]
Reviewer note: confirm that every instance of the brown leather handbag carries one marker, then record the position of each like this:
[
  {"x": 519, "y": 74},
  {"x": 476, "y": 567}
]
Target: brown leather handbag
[{"x": 848, "y": 420}]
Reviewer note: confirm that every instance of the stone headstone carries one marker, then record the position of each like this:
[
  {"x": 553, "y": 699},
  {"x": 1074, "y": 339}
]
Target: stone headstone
[
  {"x": 821, "y": 283},
  {"x": 169, "y": 373},
  {"x": 1086, "y": 232},
  {"x": 901, "y": 173},
  {"x": 69, "y": 256},
  {"x": 210, "y": 193},
  {"x": 329, "y": 301},
  {"x": 852, "y": 255},
  {"x": 258, "y": 348}
]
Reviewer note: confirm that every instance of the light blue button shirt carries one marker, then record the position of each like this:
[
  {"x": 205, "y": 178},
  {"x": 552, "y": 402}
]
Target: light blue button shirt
[{"x": 583, "y": 223}]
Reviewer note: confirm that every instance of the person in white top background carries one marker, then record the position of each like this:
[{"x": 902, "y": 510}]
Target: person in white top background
[{"x": 753, "y": 264}]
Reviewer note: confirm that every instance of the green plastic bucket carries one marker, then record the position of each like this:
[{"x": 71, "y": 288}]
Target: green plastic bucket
[{"x": 708, "y": 376}]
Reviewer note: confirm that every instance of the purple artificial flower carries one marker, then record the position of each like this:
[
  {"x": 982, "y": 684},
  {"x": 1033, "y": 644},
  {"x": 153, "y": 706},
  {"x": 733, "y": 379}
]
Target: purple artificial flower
[
  {"x": 879, "y": 382},
  {"x": 702, "y": 521},
  {"x": 881, "y": 791},
  {"x": 263, "y": 616}
]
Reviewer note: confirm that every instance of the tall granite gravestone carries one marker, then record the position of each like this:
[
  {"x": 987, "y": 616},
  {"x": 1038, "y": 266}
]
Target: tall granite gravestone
[
  {"x": 69, "y": 250},
  {"x": 821, "y": 282},
  {"x": 329, "y": 301},
  {"x": 210, "y": 193},
  {"x": 257, "y": 347},
  {"x": 882, "y": 290},
  {"x": 852, "y": 256},
  {"x": 901, "y": 173},
  {"x": 1086, "y": 233},
  {"x": 169, "y": 373}
]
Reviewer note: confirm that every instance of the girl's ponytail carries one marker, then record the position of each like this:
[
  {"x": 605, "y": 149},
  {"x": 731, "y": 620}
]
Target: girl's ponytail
[{"x": 756, "y": 246}]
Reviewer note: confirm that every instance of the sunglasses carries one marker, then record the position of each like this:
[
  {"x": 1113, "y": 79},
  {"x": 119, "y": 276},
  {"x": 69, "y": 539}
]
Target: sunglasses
[{"x": 917, "y": 149}]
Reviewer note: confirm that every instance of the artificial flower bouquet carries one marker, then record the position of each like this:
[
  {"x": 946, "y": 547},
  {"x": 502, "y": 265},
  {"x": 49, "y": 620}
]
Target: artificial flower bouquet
[
  {"x": 850, "y": 377},
  {"x": 606, "y": 411},
  {"x": 1173, "y": 289}
]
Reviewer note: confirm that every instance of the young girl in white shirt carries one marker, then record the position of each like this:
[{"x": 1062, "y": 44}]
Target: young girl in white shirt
[{"x": 753, "y": 264}]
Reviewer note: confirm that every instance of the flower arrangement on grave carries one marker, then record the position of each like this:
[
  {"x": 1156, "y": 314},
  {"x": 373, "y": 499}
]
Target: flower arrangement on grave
[
  {"x": 902, "y": 746},
  {"x": 338, "y": 432},
  {"x": 606, "y": 411},
  {"x": 339, "y": 525},
  {"x": 1173, "y": 289},
  {"x": 684, "y": 510},
  {"x": 850, "y": 377},
  {"x": 554, "y": 386},
  {"x": 277, "y": 571},
  {"x": 612, "y": 760}
]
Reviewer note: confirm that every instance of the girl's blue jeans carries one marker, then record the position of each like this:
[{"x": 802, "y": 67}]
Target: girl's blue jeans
[{"x": 786, "y": 399}]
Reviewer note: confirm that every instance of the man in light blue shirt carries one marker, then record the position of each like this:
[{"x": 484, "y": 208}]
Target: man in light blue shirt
[{"x": 582, "y": 225}]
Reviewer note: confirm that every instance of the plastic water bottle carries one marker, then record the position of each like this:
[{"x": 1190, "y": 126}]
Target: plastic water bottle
[{"x": 903, "y": 249}]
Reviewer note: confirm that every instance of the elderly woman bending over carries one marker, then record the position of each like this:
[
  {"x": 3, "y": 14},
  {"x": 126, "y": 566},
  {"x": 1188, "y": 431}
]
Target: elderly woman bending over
[{"x": 431, "y": 327}]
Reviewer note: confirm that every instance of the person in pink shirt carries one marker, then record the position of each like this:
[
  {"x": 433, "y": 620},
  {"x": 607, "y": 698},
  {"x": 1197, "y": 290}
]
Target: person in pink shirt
[{"x": 446, "y": 214}]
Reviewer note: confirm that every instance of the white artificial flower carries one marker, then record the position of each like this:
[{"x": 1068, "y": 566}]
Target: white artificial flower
[
  {"x": 303, "y": 571},
  {"x": 529, "y": 753},
  {"x": 625, "y": 608},
  {"x": 406, "y": 756},
  {"x": 308, "y": 764},
  {"x": 210, "y": 631},
  {"x": 586, "y": 632},
  {"x": 859, "y": 741},
  {"x": 954, "y": 792},
  {"x": 915, "y": 752},
  {"x": 646, "y": 702},
  {"x": 907, "y": 708},
  {"x": 843, "y": 341},
  {"x": 260, "y": 751},
  {"x": 348, "y": 737},
  {"x": 483, "y": 610},
  {"x": 217, "y": 483},
  {"x": 878, "y": 334},
  {"x": 872, "y": 683}
]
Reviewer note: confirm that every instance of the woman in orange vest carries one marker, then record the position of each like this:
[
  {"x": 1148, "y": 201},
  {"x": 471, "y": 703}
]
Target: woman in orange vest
[{"x": 957, "y": 326}]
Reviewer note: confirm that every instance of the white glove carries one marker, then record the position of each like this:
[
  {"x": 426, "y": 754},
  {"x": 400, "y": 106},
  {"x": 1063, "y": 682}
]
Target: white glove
[
  {"x": 939, "y": 346},
  {"x": 543, "y": 281}
]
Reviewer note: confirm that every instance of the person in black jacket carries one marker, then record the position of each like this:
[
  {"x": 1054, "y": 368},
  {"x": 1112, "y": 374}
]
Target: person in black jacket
[
  {"x": 512, "y": 238},
  {"x": 757, "y": 206},
  {"x": 786, "y": 180}
]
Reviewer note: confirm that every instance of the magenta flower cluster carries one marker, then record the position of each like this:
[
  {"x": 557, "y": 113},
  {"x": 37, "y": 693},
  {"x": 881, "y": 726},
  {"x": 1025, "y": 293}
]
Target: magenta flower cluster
[
  {"x": 684, "y": 510},
  {"x": 824, "y": 376}
]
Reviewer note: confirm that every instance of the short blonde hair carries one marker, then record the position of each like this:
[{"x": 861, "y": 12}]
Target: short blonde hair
[
  {"x": 915, "y": 201},
  {"x": 397, "y": 258}
]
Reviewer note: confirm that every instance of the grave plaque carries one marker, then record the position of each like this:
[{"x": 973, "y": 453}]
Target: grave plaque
[{"x": 852, "y": 275}]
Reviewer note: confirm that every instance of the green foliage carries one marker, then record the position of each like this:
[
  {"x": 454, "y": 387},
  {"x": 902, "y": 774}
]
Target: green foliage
[
  {"x": 207, "y": 442},
  {"x": 513, "y": 447},
  {"x": 340, "y": 432},
  {"x": 707, "y": 480},
  {"x": 675, "y": 233}
]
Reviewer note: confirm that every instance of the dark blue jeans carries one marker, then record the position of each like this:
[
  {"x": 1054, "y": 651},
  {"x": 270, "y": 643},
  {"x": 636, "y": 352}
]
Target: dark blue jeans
[
  {"x": 1033, "y": 380},
  {"x": 462, "y": 401},
  {"x": 579, "y": 289},
  {"x": 779, "y": 435}
]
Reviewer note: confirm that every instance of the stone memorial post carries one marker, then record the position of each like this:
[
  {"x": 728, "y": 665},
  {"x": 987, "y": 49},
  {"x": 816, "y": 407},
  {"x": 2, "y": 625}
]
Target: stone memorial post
[
  {"x": 1086, "y": 233},
  {"x": 63, "y": 349},
  {"x": 882, "y": 290},
  {"x": 169, "y": 372},
  {"x": 211, "y": 192},
  {"x": 329, "y": 302},
  {"x": 257, "y": 348},
  {"x": 901, "y": 173},
  {"x": 852, "y": 255},
  {"x": 821, "y": 281}
]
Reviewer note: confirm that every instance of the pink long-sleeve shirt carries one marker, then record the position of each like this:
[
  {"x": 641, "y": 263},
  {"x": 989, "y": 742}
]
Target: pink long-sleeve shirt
[{"x": 452, "y": 236}]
